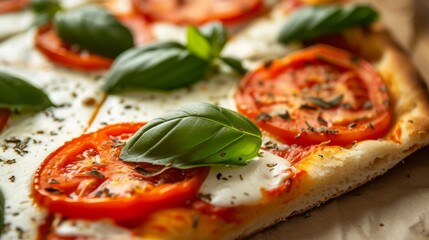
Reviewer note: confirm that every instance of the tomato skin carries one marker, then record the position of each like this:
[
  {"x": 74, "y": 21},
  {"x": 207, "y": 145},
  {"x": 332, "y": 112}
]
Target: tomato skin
[
  {"x": 48, "y": 43},
  {"x": 51, "y": 46},
  {"x": 129, "y": 201},
  {"x": 285, "y": 83},
  {"x": 198, "y": 12},
  {"x": 7, "y": 6},
  {"x": 4, "y": 116}
]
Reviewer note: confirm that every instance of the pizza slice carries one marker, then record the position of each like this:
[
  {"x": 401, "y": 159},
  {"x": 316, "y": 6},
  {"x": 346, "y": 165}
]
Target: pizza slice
[{"x": 330, "y": 121}]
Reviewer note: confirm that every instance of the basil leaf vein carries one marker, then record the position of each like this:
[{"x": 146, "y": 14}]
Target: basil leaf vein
[
  {"x": 93, "y": 29},
  {"x": 199, "y": 134},
  {"x": 316, "y": 21},
  {"x": 17, "y": 93}
]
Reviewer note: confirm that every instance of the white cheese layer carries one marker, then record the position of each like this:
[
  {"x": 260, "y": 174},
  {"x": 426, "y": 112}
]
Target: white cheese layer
[
  {"x": 234, "y": 186},
  {"x": 258, "y": 42},
  {"x": 13, "y": 23},
  {"x": 30, "y": 136}
]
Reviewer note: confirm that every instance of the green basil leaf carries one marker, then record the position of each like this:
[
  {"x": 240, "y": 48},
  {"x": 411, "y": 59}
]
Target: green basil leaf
[
  {"x": 315, "y": 21},
  {"x": 216, "y": 35},
  {"x": 199, "y": 134},
  {"x": 234, "y": 64},
  {"x": 95, "y": 30},
  {"x": 2, "y": 210},
  {"x": 17, "y": 93},
  {"x": 198, "y": 44},
  {"x": 45, "y": 9},
  {"x": 163, "y": 66}
]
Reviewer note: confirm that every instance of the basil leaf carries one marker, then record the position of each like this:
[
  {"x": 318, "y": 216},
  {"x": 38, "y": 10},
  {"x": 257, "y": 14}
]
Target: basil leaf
[
  {"x": 315, "y": 21},
  {"x": 199, "y": 134},
  {"x": 234, "y": 64},
  {"x": 45, "y": 9},
  {"x": 17, "y": 93},
  {"x": 95, "y": 30},
  {"x": 216, "y": 35},
  {"x": 163, "y": 66},
  {"x": 2, "y": 210},
  {"x": 198, "y": 44}
]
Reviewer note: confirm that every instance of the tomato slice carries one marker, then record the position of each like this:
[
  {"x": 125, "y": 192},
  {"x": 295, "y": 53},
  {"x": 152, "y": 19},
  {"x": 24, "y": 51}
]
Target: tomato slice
[
  {"x": 319, "y": 94},
  {"x": 197, "y": 12},
  {"x": 86, "y": 179},
  {"x": 4, "y": 116},
  {"x": 12, "y": 5},
  {"x": 48, "y": 43}
]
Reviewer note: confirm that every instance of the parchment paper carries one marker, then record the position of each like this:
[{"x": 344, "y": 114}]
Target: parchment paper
[{"x": 395, "y": 205}]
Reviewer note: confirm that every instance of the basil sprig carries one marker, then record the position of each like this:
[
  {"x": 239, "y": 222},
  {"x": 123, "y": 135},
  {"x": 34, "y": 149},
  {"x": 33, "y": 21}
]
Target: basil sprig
[
  {"x": 170, "y": 65},
  {"x": 198, "y": 134},
  {"x": 18, "y": 94},
  {"x": 316, "y": 21},
  {"x": 93, "y": 29},
  {"x": 2, "y": 208}
]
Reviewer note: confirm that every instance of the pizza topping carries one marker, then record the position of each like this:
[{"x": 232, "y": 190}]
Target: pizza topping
[
  {"x": 315, "y": 21},
  {"x": 164, "y": 66},
  {"x": 91, "y": 182},
  {"x": 12, "y": 5},
  {"x": 313, "y": 86},
  {"x": 17, "y": 94},
  {"x": 196, "y": 135},
  {"x": 48, "y": 42},
  {"x": 170, "y": 65},
  {"x": 93, "y": 29},
  {"x": 45, "y": 10},
  {"x": 198, "y": 12},
  {"x": 235, "y": 186},
  {"x": 73, "y": 40}
]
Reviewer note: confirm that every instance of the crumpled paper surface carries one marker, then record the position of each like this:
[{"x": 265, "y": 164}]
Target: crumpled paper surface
[{"x": 395, "y": 205}]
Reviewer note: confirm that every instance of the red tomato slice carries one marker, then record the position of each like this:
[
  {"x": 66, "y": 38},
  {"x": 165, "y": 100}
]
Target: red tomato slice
[
  {"x": 4, "y": 116},
  {"x": 48, "y": 42},
  {"x": 316, "y": 95},
  {"x": 12, "y": 5},
  {"x": 197, "y": 12},
  {"x": 86, "y": 179}
]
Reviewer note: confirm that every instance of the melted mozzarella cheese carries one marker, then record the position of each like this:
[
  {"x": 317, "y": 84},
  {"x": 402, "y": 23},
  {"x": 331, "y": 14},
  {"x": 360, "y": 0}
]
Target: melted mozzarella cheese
[
  {"x": 234, "y": 186},
  {"x": 258, "y": 42},
  {"x": 30, "y": 136},
  {"x": 21, "y": 21}
]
